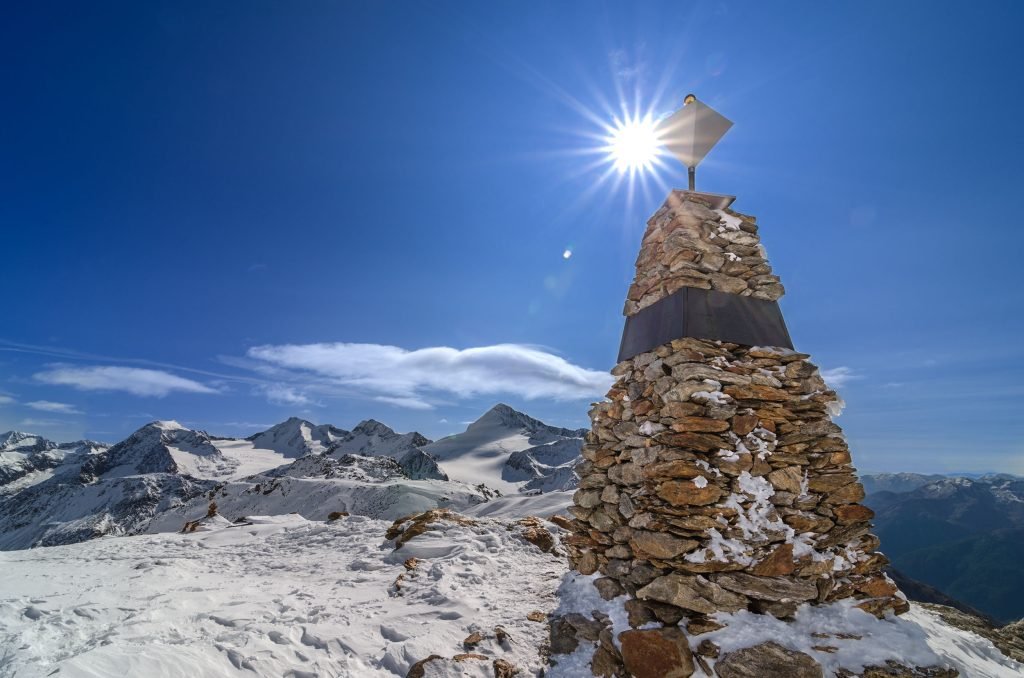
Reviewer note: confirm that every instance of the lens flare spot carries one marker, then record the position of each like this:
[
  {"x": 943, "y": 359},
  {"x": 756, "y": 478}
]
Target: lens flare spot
[
  {"x": 566, "y": 254},
  {"x": 633, "y": 143}
]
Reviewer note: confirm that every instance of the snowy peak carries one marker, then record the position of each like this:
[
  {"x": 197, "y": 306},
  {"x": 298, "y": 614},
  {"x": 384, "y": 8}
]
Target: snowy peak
[
  {"x": 501, "y": 417},
  {"x": 372, "y": 438},
  {"x": 511, "y": 452},
  {"x": 297, "y": 437},
  {"x": 157, "y": 447},
  {"x": 16, "y": 441}
]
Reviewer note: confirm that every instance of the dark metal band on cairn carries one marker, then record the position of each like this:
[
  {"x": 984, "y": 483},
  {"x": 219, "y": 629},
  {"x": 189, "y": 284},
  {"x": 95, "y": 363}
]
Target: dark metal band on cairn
[{"x": 704, "y": 314}]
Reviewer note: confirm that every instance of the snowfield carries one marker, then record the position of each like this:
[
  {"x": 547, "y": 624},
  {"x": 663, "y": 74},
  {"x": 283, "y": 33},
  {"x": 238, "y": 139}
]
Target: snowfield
[
  {"x": 284, "y": 596},
  {"x": 281, "y": 597}
]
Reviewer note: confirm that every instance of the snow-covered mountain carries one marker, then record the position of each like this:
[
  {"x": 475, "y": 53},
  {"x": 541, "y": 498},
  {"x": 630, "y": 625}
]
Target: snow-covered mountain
[
  {"x": 511, "y": 452},
  {"x": 165, "y": 474},
  {"x": 372, "y": 438},
  {"x": 296, "y": 437},
  {"x": 27, "y": 459}
]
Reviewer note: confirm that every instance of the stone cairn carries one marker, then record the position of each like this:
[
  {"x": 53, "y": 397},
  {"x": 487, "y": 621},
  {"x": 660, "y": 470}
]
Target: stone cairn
[{"x": 714, "y": 479}]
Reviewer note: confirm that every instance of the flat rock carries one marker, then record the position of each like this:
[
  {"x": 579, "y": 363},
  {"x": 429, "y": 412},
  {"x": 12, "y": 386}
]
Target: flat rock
[
  {"x": 768, "y": 588},
  {"x": 768, "y": 660},
  {"x": 692, "y": 593}
]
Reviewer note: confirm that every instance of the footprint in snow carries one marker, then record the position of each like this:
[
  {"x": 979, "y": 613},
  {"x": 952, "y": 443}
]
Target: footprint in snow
[{"x": 34, "y": 613}]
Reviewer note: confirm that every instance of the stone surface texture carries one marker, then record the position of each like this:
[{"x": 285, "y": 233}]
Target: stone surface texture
[{"x": 714, "y": 479}]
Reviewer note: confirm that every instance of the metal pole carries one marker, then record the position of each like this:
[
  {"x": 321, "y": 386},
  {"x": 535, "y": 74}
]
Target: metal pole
[{"x": 692, "y": 171}]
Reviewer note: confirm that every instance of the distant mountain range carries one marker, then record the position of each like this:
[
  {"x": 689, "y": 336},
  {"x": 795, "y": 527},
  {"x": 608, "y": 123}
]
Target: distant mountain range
[
  {"x": 955, "y": 537},
  {"x": 165, "y": 474},
  {"x": 962, "y": 536}
]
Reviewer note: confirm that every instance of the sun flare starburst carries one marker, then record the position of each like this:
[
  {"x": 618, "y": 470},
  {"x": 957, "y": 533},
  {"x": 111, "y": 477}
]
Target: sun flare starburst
[{"x": 633, "y": 143}]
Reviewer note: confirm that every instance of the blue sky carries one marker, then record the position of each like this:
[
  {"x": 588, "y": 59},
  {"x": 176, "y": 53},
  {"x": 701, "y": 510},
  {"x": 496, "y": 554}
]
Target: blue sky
[{"x": 199, "y": 201}]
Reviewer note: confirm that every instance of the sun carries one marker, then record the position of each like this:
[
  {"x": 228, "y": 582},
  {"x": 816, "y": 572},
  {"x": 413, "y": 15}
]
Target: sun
[{"x": 633, "y": 143}]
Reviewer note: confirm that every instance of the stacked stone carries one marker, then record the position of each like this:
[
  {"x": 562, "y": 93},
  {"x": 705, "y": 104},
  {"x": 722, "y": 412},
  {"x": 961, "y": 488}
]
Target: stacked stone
[
  {"x": 689, "y": 245},
  {"x": 714, "y": 479}
]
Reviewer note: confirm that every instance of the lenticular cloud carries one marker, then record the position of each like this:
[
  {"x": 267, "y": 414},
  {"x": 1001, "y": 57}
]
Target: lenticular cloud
[
  {"x": 405, "y": 376},
  {"x": 134, "y": 380}
]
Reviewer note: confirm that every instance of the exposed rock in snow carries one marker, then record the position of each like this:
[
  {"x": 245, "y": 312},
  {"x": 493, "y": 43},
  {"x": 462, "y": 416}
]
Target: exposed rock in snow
[{"x": 419, "y": 465}]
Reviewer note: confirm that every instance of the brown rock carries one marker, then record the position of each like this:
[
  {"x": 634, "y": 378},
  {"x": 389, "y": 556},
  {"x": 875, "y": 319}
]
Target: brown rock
[
  {"x": 742, "y": 424},
  {"x": 829, "y": 482},
  {"x": 473, "y": 639},
  {"x": 605, "y": 664},
  {"x": 848, "y": 494},
  {"x": 756, "y": 392},
  {"x": 466, "y": 656},
  {"x": 703, "y": 442},
  {"x": 699, "y": 424},
  {"x": 779, "y": 562},
  {"x": 787, "y": 479},
  {"x": 808, "y": 522},
  {"x": 692, "y": 593},
  {"x": 700, "y": 625},
  {"x": 679, "y": 410},
  {"x": 419, "y": 669},
  {"x": 686, "y": 493},
  {"x": 539, "y": 537},
  {"x": 660, "y": 544},
  {"x": 587, "y": 563},
  {"x": 656, "y": 653},
  {"x": 663, "y": 470},
  {"x": 504, "y": 669},
  {"x": 768, "y": 660},
  {"x": 852, "y": 513},
  {"x": 536, "y": 616},
  {"x": 608, "y": 588},
  {"x": 878, "y": 587},
  {"x": 708, "y": 649},
  {"x": 768, "y": 588}
]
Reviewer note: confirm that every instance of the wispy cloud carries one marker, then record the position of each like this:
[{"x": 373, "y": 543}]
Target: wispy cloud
[
  {"x": 41, "y": 423},
  {"x": 413, "y": 379},
  {"x": 6, "y": 400},
  {"x": 50, "y": 406},
  {"x": 134, "y": 380},
  {"x": 279, "y": 394},
  {"x": 837, "y": 377},
  {"x": 408, "y": 403}
]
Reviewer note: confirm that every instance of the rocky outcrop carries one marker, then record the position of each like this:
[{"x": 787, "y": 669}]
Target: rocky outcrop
[{"x": 1008, "y": 638}]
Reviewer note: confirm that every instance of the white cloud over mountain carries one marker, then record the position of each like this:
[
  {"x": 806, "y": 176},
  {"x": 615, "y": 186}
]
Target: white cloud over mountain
[
  {"x": 134, "y": 380},
  {"x": 408, "y": 378},
  {"x": 50, "y": 406}
]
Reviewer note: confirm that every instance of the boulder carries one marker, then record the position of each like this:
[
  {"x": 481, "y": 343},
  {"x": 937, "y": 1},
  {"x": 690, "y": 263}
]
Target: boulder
[{"x": 656, "y": 653}]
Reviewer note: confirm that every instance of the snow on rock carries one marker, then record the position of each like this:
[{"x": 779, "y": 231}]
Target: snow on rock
[
  {"x": 834, "y": 635},
  {"x": 281, "y": 596}
]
